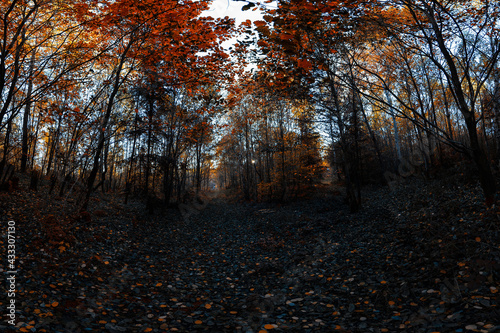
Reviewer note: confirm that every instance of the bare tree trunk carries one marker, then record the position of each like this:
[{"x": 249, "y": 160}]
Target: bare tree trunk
[
  {"x": 495, "y": 99},
  {"x": 458, "y": 75},
  {"x": 35, "y": 140},
  {"x": 128, "y": 180},
  {"x": 394, "y": 124},
  {"x": 107, "y": 115},
  {"x": 6, "y": 145},
  {"x": 27, "y": 111}
]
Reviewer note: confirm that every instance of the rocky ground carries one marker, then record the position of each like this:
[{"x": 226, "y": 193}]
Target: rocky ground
[{"x": 424, "y": 257}]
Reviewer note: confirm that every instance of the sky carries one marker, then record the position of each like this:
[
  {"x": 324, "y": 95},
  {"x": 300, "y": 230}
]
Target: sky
[
  {"x": 231, "y": 8},
  {"x": 222, "y": 8}
]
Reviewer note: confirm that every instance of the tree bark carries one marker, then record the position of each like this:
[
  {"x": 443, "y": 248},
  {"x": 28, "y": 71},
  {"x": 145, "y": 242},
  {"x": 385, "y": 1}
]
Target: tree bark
[
  {"x": 486, "y": 178},
  {"x": 107, "y": 115},
  {"x": 27, "y": 112}
]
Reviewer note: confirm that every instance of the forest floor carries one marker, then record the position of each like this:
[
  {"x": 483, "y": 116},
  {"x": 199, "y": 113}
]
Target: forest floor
[{"x": 424, "y": 257}]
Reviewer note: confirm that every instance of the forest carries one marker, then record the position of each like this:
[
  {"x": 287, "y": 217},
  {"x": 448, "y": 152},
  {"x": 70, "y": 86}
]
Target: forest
[{"x": 332, "y": 166}]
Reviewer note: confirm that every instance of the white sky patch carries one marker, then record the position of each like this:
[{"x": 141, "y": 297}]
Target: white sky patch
[
  {"x": 232, "y": 9},
  {"x": 222, "y": 8}
]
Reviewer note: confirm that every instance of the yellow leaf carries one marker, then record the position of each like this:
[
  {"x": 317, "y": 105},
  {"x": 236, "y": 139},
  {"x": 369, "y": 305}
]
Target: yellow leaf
[
  {"x": 149, "y": 329},
  {"x": 207, "y": 306},
  {"x": 478, "y": 239},
  {"x": 269, "y": 326},
  {"x": 198, "y": 322},
  {"x": 159, "y": 284},
  {"x": 54, "y": 304}
]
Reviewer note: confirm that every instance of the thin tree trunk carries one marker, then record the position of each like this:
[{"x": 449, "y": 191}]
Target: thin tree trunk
[
  {"x": 486, "y": 178},
  {"x": 128, "y": 180},
  {"x": 6, "y": 145},
  {"x": 35, "y": 140},
  {"x": 394, "y": 124},
  {"x": 107, "y": 115},
  {"x": 27, "y": 112}
]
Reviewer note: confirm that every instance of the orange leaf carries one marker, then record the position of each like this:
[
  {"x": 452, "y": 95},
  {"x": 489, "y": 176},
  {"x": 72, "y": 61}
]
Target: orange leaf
[
  {"x": 262, "y": 43},
  {"x": 305, "y": 64},
  {"x": 285, "y": 36}
]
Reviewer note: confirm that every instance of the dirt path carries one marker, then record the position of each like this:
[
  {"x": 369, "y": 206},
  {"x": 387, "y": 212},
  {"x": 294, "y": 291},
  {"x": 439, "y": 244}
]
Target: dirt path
[{"x": 241, "y": 267}]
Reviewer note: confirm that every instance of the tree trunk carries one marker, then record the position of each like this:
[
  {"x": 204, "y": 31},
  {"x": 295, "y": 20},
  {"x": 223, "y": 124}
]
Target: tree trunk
[
  {"x": 486, "y": 178},
  {"x": 394, "y": 124},
  {"x": 128, "y": 180},
  {"x": 102, "y": 137},
  {"x": 27, "y": 111},
  {"x": 6, "y": 144}
]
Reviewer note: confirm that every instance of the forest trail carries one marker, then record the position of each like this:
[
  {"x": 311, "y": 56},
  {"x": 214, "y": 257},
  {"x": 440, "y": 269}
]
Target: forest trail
[{"x": 308, "y": 266}]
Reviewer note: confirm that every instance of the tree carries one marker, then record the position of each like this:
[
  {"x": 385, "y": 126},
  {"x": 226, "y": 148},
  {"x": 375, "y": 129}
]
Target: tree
[
  {"x": 303, "y": 42},
  {"x": 152, "y": 37},
  {"x": 450, "y": 35},
  {"x": 271, "y": 149}
]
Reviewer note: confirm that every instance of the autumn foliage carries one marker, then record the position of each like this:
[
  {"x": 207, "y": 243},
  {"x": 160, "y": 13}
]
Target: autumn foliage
[{"x": 142, "y": 97}]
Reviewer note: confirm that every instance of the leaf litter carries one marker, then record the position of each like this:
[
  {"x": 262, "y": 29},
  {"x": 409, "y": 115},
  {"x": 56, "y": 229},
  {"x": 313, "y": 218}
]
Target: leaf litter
[{"x": 419, "y": 259}]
